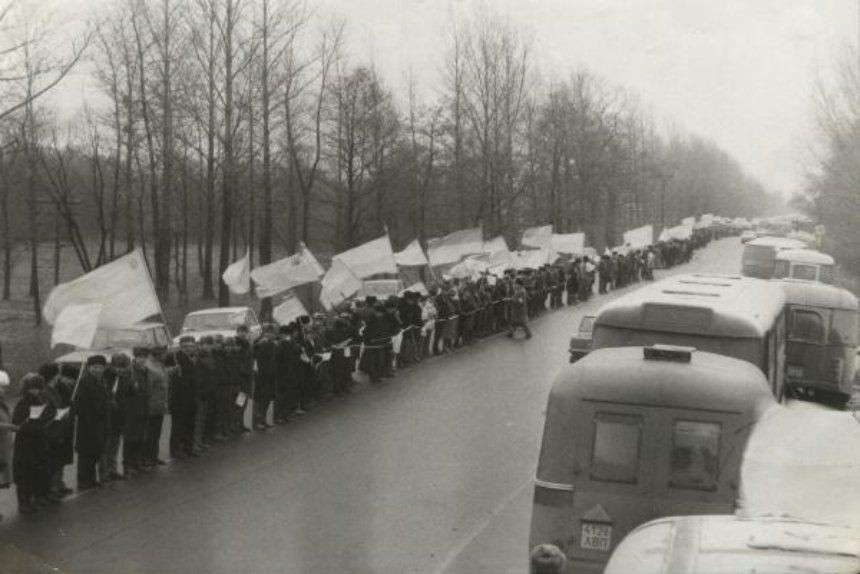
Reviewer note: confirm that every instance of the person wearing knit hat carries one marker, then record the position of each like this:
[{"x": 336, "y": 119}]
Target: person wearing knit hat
[{"x": 547, "y": 559}]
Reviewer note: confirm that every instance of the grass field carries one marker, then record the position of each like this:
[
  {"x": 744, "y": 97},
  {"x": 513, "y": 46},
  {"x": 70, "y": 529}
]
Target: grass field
[{"x": 26, "y": 346}]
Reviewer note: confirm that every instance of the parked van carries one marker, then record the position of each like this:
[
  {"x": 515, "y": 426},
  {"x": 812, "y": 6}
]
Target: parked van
[
  {"x": 735, "y": 316},
  {"x": 721, "y": 544},
  {"x": 804, "y": 264},
  {"x": 633, "y": 434},
  {"x": 759, "y": 255},
  {"x": 820, "y": 352}
]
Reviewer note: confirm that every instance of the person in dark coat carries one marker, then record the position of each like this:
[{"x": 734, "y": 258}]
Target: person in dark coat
[
  {"x": 156, "y": 409},
  {"x": 92, "y": 409},
  {"x": 118, "y": 369},
  {"x": 205, "y": 395},
  {"x": 267, "y": 374},
  {"x": 244, "y": 378},
  {"x": 31, "y": 463},
  {"x": 285, "y": 358},
  {"x": 183, "y": 399},
  {"x": 134, "y": 393},
  {"x": 58, "y": 390}
]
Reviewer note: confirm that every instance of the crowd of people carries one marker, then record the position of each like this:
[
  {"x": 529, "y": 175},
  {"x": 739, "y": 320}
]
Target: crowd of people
[{"x": 111, "y": 410}]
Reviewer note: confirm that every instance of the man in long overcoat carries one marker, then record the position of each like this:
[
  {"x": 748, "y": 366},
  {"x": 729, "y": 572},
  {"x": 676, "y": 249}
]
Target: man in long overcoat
[{"x": 92, "y": 409}]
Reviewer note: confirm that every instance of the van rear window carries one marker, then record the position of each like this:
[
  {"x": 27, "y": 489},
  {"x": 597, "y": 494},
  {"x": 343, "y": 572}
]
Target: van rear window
[
  {"x": 695, "y": 455},
  {"x": 617, "y": 442}
]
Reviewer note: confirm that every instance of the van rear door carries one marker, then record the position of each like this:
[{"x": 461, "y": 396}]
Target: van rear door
[{"x": 614, "y": 492}]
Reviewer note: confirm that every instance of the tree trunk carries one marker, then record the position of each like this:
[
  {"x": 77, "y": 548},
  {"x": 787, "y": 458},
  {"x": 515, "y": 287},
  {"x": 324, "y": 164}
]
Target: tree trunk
[{"x": 228, "y": 167}]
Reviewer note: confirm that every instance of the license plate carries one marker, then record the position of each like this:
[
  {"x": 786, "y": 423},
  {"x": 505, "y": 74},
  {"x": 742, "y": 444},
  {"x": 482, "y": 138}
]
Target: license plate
[
  {"x": 795, "y": 371},
  {"x": 596, "y": 537}
]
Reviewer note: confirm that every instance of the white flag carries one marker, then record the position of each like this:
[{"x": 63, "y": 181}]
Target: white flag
[
  {"x": 123, "y": 287},
  {"x": 454, "y": 246},
  {"x": 413, "y": 255},
  {"x": 370, "y": 258},
  {"x": 570, "y": 243},
  {"x": 286, "y": 273},
  {"x": 338, "y": 285},
  {"x": 537, "y": 236},
  {"x": 664, "y": 235},
  {"x": 495, "y": 245},
  {"x": 238, "y": 275},
  {"x": 469, "y": 268},
  {"x": 289, "y": 310},
  {"x": 639, "y": 237},
  {"x": 76, "y": 325}
]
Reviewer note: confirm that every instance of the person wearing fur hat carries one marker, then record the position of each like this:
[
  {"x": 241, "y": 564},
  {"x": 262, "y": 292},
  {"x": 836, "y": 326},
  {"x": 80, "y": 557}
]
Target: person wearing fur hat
[
  {"x": 31, "y": 462},
  {"x": 92, "y": 409},
  {"x": 547, "y": 559}
]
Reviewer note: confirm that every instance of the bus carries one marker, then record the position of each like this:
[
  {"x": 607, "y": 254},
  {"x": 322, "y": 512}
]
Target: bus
[
  {"x": 820, "y": 352},
  {"x": 720, "y": 544},
  {"x": 637, "y": 433},
  {"x": 760, "y": 254},
  {"x": 804, "y": 264},
  {"x": 735, "y": 316}
]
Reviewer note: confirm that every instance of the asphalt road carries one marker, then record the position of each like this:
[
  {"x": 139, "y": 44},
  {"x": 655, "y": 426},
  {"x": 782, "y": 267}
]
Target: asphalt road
[{"x": 429, "y": 473}]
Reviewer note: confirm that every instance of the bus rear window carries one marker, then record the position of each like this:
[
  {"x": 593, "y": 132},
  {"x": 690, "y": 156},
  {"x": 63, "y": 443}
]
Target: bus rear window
[
  {"x": 617, "y": 441},
  {"x": 806, "y": 326},
  {"x": 759, "y": 254},
  {"x": 695, "y": 455}
]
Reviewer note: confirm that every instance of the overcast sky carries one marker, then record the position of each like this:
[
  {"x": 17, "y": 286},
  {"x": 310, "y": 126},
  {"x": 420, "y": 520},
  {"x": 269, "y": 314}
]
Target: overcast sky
[{"x": 740, "y": 72}]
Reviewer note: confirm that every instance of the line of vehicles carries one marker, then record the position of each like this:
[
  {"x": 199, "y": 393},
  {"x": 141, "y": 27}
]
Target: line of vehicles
[{"x": 646, "y": 430}]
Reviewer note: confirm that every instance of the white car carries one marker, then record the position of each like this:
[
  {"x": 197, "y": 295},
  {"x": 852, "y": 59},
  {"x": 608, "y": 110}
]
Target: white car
[
  {"x": 748, "y": 235},
  {"x": 108, "y": 341},
  {"x": 220, "y": 321}
]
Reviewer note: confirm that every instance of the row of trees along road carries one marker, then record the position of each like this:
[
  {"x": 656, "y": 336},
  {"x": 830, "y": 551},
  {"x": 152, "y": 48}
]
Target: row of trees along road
[
  {"x": 234, "y": 123},
  {"x": 832, "y": 193}
]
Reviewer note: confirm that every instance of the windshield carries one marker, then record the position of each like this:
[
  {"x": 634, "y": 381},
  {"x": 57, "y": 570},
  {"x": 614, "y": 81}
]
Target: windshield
[
  {"x": 213, "y": 321},
  {"x": 119, "y": 338}
]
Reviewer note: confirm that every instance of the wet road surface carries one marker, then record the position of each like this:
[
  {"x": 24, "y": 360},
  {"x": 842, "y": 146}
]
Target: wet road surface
[{"x": 429, "y": 472}]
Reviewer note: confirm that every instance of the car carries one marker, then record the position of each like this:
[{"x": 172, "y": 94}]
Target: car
[
  {"x": 748, "y": 235},
  {"x": 108, "y": 341},
  {"x": 580, "y": 345},
  {"x": 220, "y": 321}
]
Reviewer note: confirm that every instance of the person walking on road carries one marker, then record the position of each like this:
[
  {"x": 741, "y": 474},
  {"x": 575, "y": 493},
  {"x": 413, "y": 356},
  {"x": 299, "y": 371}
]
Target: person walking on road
[{"x": 519, "y": 309}]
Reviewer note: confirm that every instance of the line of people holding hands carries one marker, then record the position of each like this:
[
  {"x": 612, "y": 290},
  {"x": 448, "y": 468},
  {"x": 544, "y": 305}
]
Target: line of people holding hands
[{"x": 111, "y": 410}]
